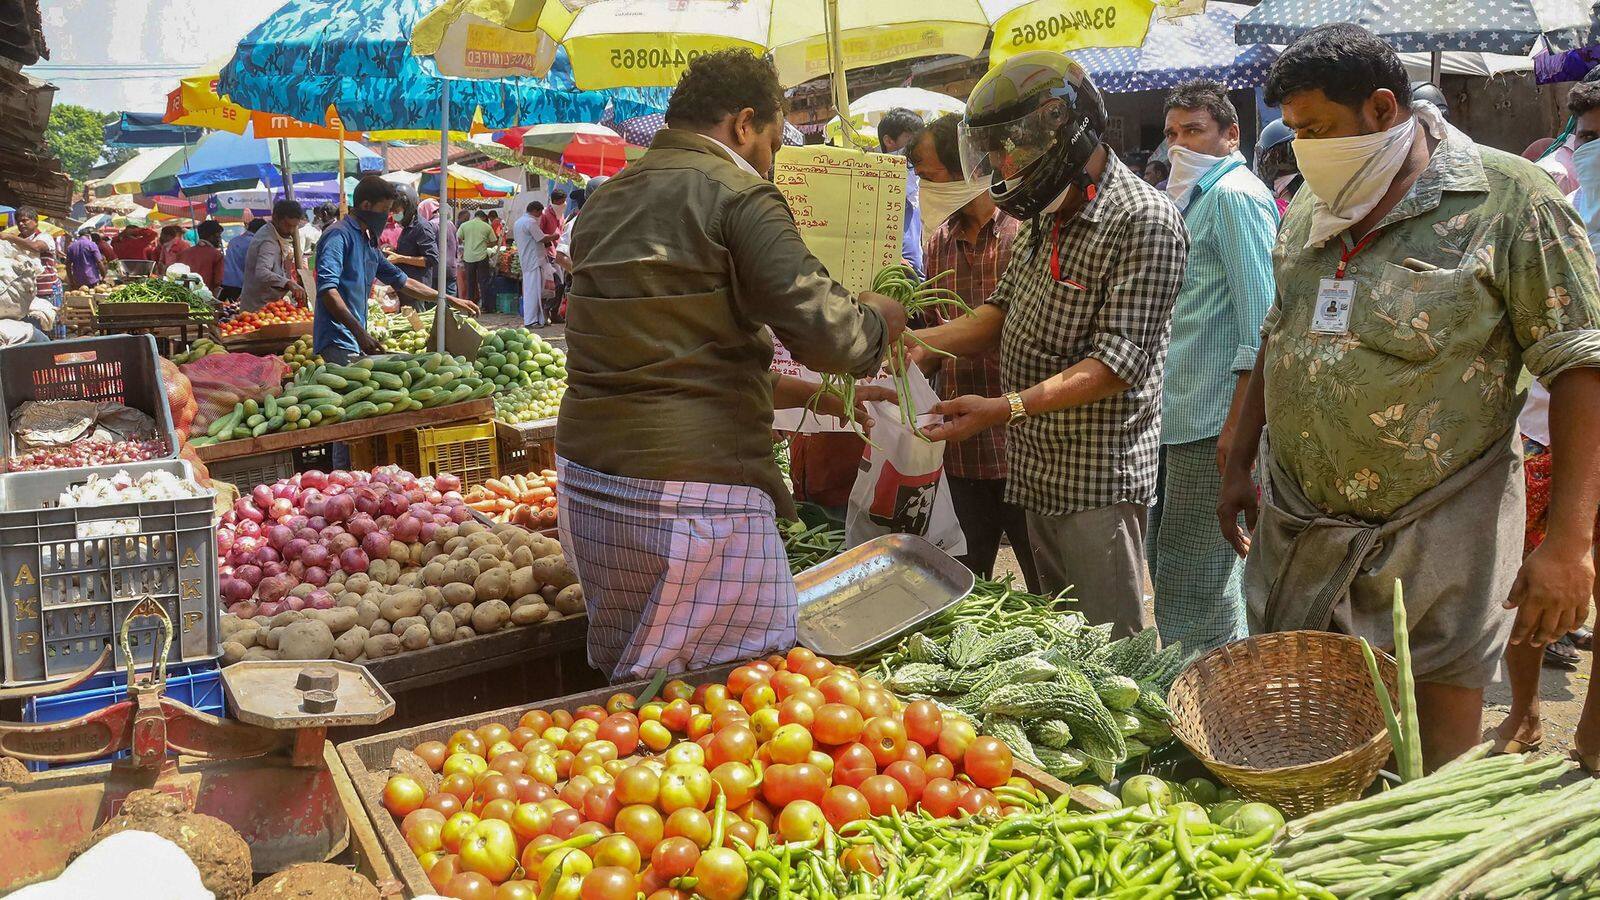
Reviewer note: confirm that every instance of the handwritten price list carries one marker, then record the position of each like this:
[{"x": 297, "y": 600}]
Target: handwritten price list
[{"x": 849, "y": 205}]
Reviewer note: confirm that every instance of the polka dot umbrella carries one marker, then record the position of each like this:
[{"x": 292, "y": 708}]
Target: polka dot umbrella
[
  {"x": 1179, "y": 50},
  {"x": 1489, "y": 26}
]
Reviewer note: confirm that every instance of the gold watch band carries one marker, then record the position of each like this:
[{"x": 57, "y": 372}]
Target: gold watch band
[{"x": 1018, "y": 411}]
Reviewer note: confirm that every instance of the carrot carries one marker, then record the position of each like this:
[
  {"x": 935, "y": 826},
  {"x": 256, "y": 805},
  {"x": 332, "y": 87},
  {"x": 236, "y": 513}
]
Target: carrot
[
  {"x": 548, "y": 473},
  {"x": 503, "y": 504},
  {"x": 483, "y": 506},
  {"x": 539, "y": 494},
  {"x": 499, "y": 487}
]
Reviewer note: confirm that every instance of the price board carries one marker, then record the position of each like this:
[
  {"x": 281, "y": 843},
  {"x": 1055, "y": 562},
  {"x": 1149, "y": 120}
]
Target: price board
[{"x": 849, "y": 205}]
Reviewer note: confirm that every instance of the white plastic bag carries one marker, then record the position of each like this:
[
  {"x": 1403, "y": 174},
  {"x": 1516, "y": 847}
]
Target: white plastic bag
[{"x": 901, "y": 487}]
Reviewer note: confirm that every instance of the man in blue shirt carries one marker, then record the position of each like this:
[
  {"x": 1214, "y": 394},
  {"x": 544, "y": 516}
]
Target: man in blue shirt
[
  {"x": 233, "y": 261},
  {"x": 1216, "y": 323},
  {"x": 348, "y": 261},
  {"x": 896, "y": 131}
]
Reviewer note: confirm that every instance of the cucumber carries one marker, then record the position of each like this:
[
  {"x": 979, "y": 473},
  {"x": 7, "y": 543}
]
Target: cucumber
[
  {"x": 331, "y": 414},
  {"x": 364, "y": 364},
  {"x": 253, "y": 421},
  {"x": 269, "y": 407},
  {"x": 360, "y": 393},
  {"x": 333, "y": 381},
  {"x": 240, "y": 433},
  {"x": 314, "y": 417},
  {"x": 251, "y": 408},
  {"x": 274, "y": 423},
  {"x": 350, "y": 373},
  {"x": 390, "y": 366},
  {"x": 423, "y": 395},
  {"x": 385, "y": 408},
  {"x": 312, "y": 391},
  {"x": 382, "y": 397},
  {"x": 361, "y": 410},
  {"x": 388, "y": 381},
  {"x": 225, "y": 424},
  {"x": 482, "y": 391},
  {"x": 425, "y": 381},
  {"x": 443, "y": 378},
  {"x": 292, "y": 414},
  {"x": 259, "y": 429}
]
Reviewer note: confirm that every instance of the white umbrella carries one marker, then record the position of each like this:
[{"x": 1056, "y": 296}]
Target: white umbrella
[
  {"x": 871, "y": 108},
  {"x": 126, "y": 178}
]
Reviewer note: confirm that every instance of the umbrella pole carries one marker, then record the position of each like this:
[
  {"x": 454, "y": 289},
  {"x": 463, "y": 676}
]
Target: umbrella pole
[
  {"x": 342, "y": 209},
  {"x": 841, "y": 91},
  {"x": 439, "y": 316},
  {"x": 1436, "y": 67},
  {"x": 288, "y": 192}
]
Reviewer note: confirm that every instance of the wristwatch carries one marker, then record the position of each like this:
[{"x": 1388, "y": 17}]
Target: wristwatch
[{"x": 1018, "y": 411}]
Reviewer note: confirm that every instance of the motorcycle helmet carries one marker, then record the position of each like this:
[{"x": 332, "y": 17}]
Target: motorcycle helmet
[
  {"x": 1275, "y": 152},
  {"x": 1031, "y": 125},
  {"x": 1427, "y": 90}
]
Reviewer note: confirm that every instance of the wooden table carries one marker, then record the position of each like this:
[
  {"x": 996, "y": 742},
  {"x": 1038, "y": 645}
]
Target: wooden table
[{"x": 348, "y": 431}]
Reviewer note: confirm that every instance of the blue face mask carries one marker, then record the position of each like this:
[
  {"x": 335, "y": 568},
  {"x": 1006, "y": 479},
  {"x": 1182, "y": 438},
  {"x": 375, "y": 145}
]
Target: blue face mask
[{"x": 374, "y": 220}]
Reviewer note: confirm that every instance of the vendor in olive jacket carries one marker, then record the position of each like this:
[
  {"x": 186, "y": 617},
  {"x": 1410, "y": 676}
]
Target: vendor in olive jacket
[{"x": 685, "y": 266}]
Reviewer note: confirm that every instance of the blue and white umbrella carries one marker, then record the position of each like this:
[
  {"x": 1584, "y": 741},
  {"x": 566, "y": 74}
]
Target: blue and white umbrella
[
  {"x": 1488, "y": 26},
  {"x": 1181, "y": 49}
]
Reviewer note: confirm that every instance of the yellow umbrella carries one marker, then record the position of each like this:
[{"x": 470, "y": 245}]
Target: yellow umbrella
[{"x": 648, "y": 43}]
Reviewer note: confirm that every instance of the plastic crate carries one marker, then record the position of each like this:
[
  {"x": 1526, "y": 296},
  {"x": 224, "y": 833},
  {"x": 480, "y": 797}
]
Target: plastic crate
[
  {"x": 122, "y": 368},
  {"x": 249, "y": 471},
  {"x": 470, "y": 452},
  {"x": 199, "y": 686},
  {"x": 66, "y": 586}
]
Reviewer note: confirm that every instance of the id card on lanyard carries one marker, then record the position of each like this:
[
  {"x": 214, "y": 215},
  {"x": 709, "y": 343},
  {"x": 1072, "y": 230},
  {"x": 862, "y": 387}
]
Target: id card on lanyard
[{"x": 1336, "y": 295}]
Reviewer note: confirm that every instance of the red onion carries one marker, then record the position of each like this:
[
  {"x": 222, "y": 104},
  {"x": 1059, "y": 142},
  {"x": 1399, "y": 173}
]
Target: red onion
[
  {"x": 262, "y": 495},
  {"x": 309, "y": 534},
  {"x": 249, "y": 573},
  {"x": 451, "y": 497},
  {"x": 332, "y": 531},
  {"x": 341, "y": 477},
  {"x": 230, "y": 517},
  {"x": 265, "y": 554},
  {"x": 225, "y": 570},
  {"x": 225, "y": 538},
  {"x": 385, "y": 523},
  {"x": 278, "y": 536},
  {"x": 235, "y": 590},
  {"x": 296, "y": 521},
  {"x": 406, "y": 528},
  {"x": 313, "y": 479},
  {"x": 316, "y": 575},
  {"x": 433, "y": 496},
  {"x": 416, "y": 495},
  {"x": 317, "y": 523},
  {"x": 447, "y": 482},
  {"x": 249, "y": 528},
  {"x": 284, "y": 490},
  {"x": 315, "y": 555},
  {"x": 442, "y": 518},
  {"x": 274, "y": 588},
  {"x": 393, "y": 504},
  {"x": 426, "y": 532},
  {"x": 315, "y": 505},
  {"x": 271, "y": 608},
  {"x": 460, "y": 514},
  {"x": 295, "y": 603},
  {"x": 281, "y": 509},
  {"x": 296, "y": 547},
  {"x": 247, "y": 510},
  {"x": 244, "y": 549},
  {"x": 353, "y": 559},
  {"x": 368, "y": 504},
  {"x": 243, "y": 609},
  {"x": 376, "y": 545},
  {"x": 273, "y": 568},
  {"x": 361, "y": 525},
  {"x": 297, "y": 570},
  {"x": 319, "y": 599},
  {"x": 343, "y": 542}
]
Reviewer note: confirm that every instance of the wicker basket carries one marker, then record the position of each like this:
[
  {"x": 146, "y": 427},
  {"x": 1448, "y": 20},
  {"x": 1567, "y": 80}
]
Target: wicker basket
[{"x": 1287, "y": 718}]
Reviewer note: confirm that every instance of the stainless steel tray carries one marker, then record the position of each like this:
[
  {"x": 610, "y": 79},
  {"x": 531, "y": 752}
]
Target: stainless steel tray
[{"x": 872, "y": 594}]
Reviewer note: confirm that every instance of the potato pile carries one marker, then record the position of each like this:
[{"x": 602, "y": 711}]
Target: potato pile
[{"x": 475, "y": 580}]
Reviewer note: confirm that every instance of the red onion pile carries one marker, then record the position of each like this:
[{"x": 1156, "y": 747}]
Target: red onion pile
[
  {"x": 302, "y": 529},
  {"x": 89, "y": 453}
]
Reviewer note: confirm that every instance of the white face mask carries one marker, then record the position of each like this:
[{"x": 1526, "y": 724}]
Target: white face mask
[
  {"x": 1349, "y": 175},
  {"x": 937, "y": 201},
  {"x": 1586, "y": 159},
  {"x": 1188, "y": 167}
]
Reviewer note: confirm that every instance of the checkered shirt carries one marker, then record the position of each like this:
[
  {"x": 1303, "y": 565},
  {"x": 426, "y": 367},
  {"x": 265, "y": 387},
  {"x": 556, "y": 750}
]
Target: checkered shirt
[
  {"x": 1121, "y": 263},
  {"x": 977, "y": 268},
  {"x": 676, "y": 575}
]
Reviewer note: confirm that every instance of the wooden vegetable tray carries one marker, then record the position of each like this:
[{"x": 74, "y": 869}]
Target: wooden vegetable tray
[{"x": 367, "y": 762}]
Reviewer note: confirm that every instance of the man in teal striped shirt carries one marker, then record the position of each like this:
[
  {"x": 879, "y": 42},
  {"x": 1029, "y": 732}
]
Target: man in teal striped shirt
[{"x": 1216, "y": 323}]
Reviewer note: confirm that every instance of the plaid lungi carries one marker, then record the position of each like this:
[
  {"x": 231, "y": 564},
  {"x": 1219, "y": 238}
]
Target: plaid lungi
[{"x": 676, "y": 574}]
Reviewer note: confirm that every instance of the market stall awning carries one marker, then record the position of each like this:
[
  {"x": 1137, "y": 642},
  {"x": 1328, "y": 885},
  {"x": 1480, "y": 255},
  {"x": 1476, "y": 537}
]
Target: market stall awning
[
  {"x": 1176, "y": 50},
  {"x": 467, "y": 183},
  {"x": 148, "y": 130},
  {"x": 1489, "y": 26},
  {"x": 128, "y": 177},
  {"x": 224, "y": 161}
]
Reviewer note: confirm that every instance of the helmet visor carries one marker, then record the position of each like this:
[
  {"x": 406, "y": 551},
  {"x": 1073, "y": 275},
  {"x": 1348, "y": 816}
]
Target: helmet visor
[{"x": 1003, "y": 149}]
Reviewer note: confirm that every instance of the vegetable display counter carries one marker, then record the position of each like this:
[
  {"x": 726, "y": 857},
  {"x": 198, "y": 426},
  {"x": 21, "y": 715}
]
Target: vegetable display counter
[{"x": 466, "y": 411}]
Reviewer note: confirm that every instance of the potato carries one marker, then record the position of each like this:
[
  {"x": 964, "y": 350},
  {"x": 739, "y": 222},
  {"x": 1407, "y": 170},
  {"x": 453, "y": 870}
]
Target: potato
[
  {"x": 366, "y": 612},
  {"x": 430, "y": 550},
  {"x": 380, "y": 625},
  {"x": 414, "y": 638},
  {"x": 411, "y": 579},
  {"x": 349, "y": 645},
  {"x": 261, "y": 621},
  {"x": 402, "y": 604},
  {"x": 255, "y": 653},
  {"x": 358, "y": 582},
  {"x": 455, "y": 543},
  {"x": 232, "y": 652},
  {"x": 491, "y": 585},
  {"x": 302, "y": 590},
  {"x": 445, "y": 532},
  {"x": 384, "y": 571},
  {"x": 460, "y": 552},
  {"x": 287, "y": 617},
  {"x": 464, "y": 633},
  {"x": 428, "y": 612},
  {"x": 462, "y": 613},
  {"x": 490, "y": 616},
  {"x": 232, "y": 623},
  {"x": 400, "y": 553},
  {"x": 337, "y": 577},
  {"x": 505, "y": 531},
  {"x": 522, "y": 582},
  {"x": 458, "y": 592},
  {"x": 400, "y": 625},
  {"x": 529, "y": 613},
  {"x": 309, "y": 639},
  {"x": 522, "y": 556},
  {"x": 433, "y": 596},
  {"x": 462, "y": 571},
  {"x": 480, "y": 540},
  {"x": 570, "y": 600},
  {"x": 350, "y": 599},
  {"x": 549, "y": 592},
  {"x": 381, "y": 645},
  {"x": 554, "y": 570},
  {"x": 488, "y": 556},
  {"x": 543, "y": 546},
  {"x": 470, "y": 528},
  {"x": 442, "y": 628},
  {"x": 267, "y": 638},
  {"x": 415, "y": 549},
  {"x": 339, "y": 619},
  {"x": 245, "y": 636},
  {"x": 433, "y": 573}
]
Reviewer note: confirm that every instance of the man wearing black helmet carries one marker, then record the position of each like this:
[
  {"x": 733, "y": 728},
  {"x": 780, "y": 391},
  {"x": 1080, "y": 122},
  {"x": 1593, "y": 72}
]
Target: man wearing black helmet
[
  {"x": 1082, "y": 317},
  {"x": 1275, "y": 162}
]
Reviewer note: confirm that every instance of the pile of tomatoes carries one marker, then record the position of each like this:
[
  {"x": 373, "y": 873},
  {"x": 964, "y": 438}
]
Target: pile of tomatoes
[
  {"x": 606, "y": 803},
  {"x": 278, "y": 312}
]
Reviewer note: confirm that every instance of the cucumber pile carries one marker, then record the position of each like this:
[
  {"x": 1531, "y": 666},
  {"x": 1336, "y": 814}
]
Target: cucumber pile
[
  {"x": 510, "y": 357},
  {"x": 325, "y": 394}
]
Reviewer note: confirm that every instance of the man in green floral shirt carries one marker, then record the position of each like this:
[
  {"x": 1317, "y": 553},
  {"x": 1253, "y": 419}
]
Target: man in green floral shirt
[{"x": 1417, "y": 274}]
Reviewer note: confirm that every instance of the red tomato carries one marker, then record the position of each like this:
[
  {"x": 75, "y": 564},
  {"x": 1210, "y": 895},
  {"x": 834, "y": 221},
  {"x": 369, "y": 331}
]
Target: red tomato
[
  {"x": 689, "y": 823},
  {"x": 809, "y": 696},
  {"x": 734, "y": 743},
  {"x": 738, "y": 782},
  {"x": 601, "y": 804},
  {"x": 622, "y": 730},
  {"x": 955, "y": 737},
  {"x": 470, "y": 886},
  {"x": 987, "y": 762},
  {"x": 460, "y": 785},
  {"x": 941, "y": 797},
  {"x": 677, "y": 689},
  {"x": 620, "y": 702},
  {"x": 638, "y": 784},
  {"x": 674, "y": 856},
  {"x": 938, "y": 765},
  {"x": 609, "y": 883},
  {"x": 840, "y": 688},
  {"x": 741, "y": 679},
  {"x": 642, "y": 824},
  {"x": 814, "y": 668},
  {"x": 801, "y": 820},
  {"x": 676, "y": 715},
  {"x": 884, "y": 795},
  {"x": 837, "y": 723},
  {"x": 744, "y": 831},
  {"x": 536, "y": 720},
  {"x": 433, "y": 753},
  {"x": 910, "y": 776},
  {"x": 886, "y": 738},
  {"x": 790, "y": 744},
  {"x": 914, "y": 753},
  {"x": 797, "y": 712},
  {"x": 861, "y": 859},
  {"x": 447, "y": 804},
  {"x": 786, "y": 683},
  {"x": 758, "y": 696},
  {"x": 841, "y": 804},
  {"x": 493, "y": 733},
  {"x": 923, "y": 722},
  {"x": 980, "y": 802},
  {"x": 853, "y": 764},
  {"x": 722, "y": 875},
  {"x": 876, "y": 702}
]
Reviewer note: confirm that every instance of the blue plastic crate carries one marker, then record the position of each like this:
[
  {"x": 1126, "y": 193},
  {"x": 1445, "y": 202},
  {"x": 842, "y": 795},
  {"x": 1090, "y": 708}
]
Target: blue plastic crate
[{"x": 200, "y": 686}]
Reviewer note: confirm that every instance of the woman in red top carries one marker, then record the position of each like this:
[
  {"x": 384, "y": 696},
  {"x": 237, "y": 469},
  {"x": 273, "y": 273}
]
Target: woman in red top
[
  {"x": 171, "y": 247},
  {"x": 134, "y": 242},
  {"x": 205, "y": 258}
]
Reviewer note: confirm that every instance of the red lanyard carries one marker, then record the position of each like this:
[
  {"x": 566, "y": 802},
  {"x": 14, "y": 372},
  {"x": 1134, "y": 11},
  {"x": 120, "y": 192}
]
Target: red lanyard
[
  {"x": 1349, "y": 253},
  {"x": 1055, "y": 249}
]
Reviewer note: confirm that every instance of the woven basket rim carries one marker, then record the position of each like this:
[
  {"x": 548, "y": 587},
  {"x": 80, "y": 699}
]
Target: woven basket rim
[{"x": 1385, "y": 661}]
